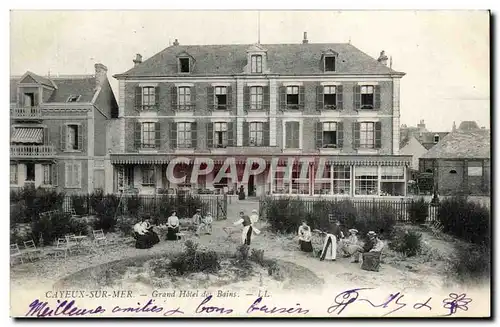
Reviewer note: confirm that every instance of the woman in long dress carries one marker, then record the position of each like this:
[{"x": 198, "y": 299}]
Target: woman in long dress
[
  {"x": 350, "y": 245},
  {"x": 153, "y": 237},
  {"x": 305, "y": 236},
  {"x": 329, "y": 251},
  {"x": 142, "y": 240},
  {"x": 172, "y": 227}
]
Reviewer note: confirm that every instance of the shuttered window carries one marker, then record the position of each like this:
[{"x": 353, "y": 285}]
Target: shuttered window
[
  {"x": 256, "y": 134},
  {"x": 148, "y": 175},
  {"x": 73, "y": 175},
  {"x": 184, "y": 137},
  {"x": 256, "y": 97},
  {"x": 220, "y": 135},
  {"x": 148, "y": 135},
  {"x": 256, "y": 64},
  {"x": 13, "y": 174},
  {"x": 292, "y": 135}
]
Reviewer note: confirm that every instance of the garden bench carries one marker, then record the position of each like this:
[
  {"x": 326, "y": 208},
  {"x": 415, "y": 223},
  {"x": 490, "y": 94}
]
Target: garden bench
[
  {"x": 31, "y": 250},
  {"x": 15, "y": 253}
]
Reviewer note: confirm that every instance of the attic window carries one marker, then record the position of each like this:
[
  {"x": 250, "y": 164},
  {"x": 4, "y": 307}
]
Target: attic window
[
  {"x": 436, "y": 138},
  {"x": 73, "y": 98},
  {"x": 256, "y": 64},
  {"x": 453, "y": 171},
  {"x": 184, "y": 66},
  {"x": 330, "y": 64}
]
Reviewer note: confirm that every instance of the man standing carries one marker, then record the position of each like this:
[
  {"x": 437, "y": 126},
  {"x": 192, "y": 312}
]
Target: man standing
[
  {"x": 248, "y": 229},
  {"x": 197, "y": 221}
]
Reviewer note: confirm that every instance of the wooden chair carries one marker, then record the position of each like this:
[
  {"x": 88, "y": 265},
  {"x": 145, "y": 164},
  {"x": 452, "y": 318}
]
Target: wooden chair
[
  {"x": 31, "y": 250},
  {"x": 63, "y": 246},
  {"x": 181, "y": 235},
  {"x": 15, "y": 253},
  {"x": 99, "y": 237}
]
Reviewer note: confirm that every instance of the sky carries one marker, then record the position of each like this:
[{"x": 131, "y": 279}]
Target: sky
[{"x": 445, "y": 54}]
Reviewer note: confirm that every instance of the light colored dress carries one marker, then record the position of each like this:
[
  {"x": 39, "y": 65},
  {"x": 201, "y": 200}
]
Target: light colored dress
[{"x": 329, "y": 251}]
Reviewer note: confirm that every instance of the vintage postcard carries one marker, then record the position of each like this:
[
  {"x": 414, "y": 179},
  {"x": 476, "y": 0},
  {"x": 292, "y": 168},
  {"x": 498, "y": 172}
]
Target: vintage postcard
[{"x": 250, "y": 164}]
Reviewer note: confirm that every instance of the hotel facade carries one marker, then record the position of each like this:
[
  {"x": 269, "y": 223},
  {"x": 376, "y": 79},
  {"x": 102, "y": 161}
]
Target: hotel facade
[{"x": 329, "y": 102}]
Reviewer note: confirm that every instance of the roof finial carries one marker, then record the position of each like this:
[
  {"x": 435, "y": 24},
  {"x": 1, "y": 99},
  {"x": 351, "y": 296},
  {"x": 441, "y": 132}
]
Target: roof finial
[
  {"x": 349, "y": 39},
  {"x": 390, "y": 63},
  {"x": 48, "y": 74}
]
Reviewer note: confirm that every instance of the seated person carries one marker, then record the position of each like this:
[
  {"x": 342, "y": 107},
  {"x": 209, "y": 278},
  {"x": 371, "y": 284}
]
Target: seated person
[
  {"x": 370, "y": 251},
  {"x": 142, "y": 240},
  {"x": 207, "y": 221},
  {"x": 148, "y": 228},
  {"x": 305, "y": 236},
  {"x": 172, "y": 227},
  {"x": 349, "y": 245},
  {"x": 197, "y": 221}
]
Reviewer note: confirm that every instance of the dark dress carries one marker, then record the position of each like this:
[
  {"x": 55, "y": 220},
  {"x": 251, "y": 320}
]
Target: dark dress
[
  {"x": 154, "y": 238},
  {"x": 306, "y": 246},
  {"x": 172, "y": 233},
  {"x": 142, "y": 241}
]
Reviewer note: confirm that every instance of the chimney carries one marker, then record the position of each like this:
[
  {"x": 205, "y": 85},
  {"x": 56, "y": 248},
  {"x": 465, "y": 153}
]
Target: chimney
[
  {"x": 137, "y": 60},
  {"x": 383, "y": 58},
  {"x": 454, "y": 127},
  {"x": 101, "y": 72},
  {"x": 176, "y": 42},
  {"x": 305, "y": 40}
]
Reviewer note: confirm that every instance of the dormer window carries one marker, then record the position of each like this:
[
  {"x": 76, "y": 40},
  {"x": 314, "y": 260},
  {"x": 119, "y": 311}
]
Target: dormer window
[
  {"x": 184, "y": 65},
  {"x": 256, "y": 64},
  {"x": 73, "y": 98},
  {"x": 436, "y": 138},
  {"x": 29, "y": 99},
  {"x": 330, "y": 64}
]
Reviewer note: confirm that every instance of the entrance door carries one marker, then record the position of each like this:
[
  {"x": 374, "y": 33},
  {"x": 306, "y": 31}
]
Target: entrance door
[{"x": 251, "y": 185}]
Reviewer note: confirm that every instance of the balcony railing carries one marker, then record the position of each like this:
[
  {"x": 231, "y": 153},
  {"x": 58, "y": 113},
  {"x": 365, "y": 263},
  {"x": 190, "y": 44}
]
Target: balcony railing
[
  {"x": 25, "y": 112},
  {"x": 32, "y": 151}
]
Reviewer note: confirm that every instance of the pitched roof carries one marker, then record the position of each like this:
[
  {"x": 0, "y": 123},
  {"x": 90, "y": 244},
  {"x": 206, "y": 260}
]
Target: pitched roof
[
  {"x": 284, "y": 59},
  {"x": 462, "y": 145},
  {"x": 40, "y": 79},
  {"x": 83, "y": 85}
]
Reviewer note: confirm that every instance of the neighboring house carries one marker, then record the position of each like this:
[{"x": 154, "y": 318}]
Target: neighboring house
[
  {"x": 460, "y": 162},
  {"x": 58, "y": 130},
  {"x": 320, "y": 101},
  {"x": 415, "y": 149}
]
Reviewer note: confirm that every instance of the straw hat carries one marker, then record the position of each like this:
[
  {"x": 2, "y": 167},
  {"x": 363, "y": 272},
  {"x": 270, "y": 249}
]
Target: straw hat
[
  {"x": 254, "y": 210},
  {"x": 371, "y": 233},
  {"x": 353, "y": 230}
]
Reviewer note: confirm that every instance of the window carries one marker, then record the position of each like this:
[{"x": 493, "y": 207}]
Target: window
[
  {"x": 73, "y": 175},
  {"x": 341, "y": 180},
  {"x": 366, "y": 135},
  {"x": 256, "y": 97},
  {"x": 256, "y": 134},
  {"x": 292, "y": 97},
  {"x": 474, "y": 168},
  {"x": 329, "y": 135},
  {"x": 148, "y": 97},
  {"x": 436, "y": 138},
  {"x": 73, "y": 98},
  {"x": 280, "y": 185},
  {"x": 256, "y": 64},
  {"x": 148, "y": 135},
  {"x": 292, "y": 133},
  {"x": 184, "y": 66},
  {"x": 129, "y": 176},
  {"x": 29, "y": 99},
  {"x": 184, "y": 139},
  {"x": 367, "y": 97},
  {"x": 30, "y": 171},
  {"x": 72, "y": 137},
  {"x": 366, "y": 180},
  {"x": 221, "y": 97},
  {"x": 330, "y": 97},
  {"x": 220, "y": 135},
  {"x": 13, "y": 174},
  {"x": 47, "y": 180},
  {"x": 184, "y": 98},
  {"x": 299, "y": 185},
  {"x": 453, "y": 171},
  {"x": 323, "y": 184},
  {"x": 392, "y": 181},
  {"x": 329, "y": 64},
  {"x": 148, "y": 175}
]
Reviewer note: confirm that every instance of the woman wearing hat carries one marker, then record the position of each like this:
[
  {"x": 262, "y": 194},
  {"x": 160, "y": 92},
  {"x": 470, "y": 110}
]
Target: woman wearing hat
[
  {"x": 172, "y": 227},
  {"x": 305, "y": 236},
  {"x": 349, "y": 245}
]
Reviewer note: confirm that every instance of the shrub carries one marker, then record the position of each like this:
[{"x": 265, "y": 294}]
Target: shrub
[
  {"x": 79, "y": 204},
  {"x": 36, "y": 201},
  {"x": 257, "y": 256},
  {"x": 407, "y": 242},
  {"x": 193, "y": 260},
  {"x": 78, "y": 227},
  {"x": 418, "y": 211},
  {"x": 274, "y": 270},
  {"x": 106, "y": 213},
  {"x": 133, "y": 205},
  {"x": 242, "y": 253},
  {"x": 379, "y": 217},
  {"x": 18, "y": 213},
  {"x": 285, "y": 215},
  {"x": 466, "y": 220},
  {"x": 125, "y": 226},
  {"x": 471, "y": 264},
  {"x": 52, "y": 227},
  {"x": 95, "y": 199}
]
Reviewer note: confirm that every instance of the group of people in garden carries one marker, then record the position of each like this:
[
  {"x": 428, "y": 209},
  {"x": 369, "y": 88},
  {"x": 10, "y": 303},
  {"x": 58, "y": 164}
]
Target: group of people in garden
[{"x": 345, "y": 243}]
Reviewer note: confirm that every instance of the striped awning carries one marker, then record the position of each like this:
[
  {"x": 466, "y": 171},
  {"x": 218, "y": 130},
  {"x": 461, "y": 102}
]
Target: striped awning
[{"x": 27, "y": 135}]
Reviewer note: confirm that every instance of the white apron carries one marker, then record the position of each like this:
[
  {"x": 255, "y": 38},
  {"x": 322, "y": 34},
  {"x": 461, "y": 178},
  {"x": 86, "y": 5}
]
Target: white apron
[
  {"x": 244, "y": 232},
  {"x": 329, "y": 251}
]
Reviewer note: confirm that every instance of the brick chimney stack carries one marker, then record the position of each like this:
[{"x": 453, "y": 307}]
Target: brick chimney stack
[
  {"x": 176, "y": 42},
  {"x": 305, "y": 40},
  {"x": 101, "y": 72},
  {"x": 383, "y": 58},
  {"x": 137, "y": 60}
]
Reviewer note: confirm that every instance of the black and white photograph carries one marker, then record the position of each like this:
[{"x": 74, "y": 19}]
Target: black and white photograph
[{"x": 240, "y": 164}]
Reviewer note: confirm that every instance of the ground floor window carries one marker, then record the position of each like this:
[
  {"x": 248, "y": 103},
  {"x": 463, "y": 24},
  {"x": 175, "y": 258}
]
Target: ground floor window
[
  {"x": 366, "y": 180},
  {"x": 13, "y": 174},
  {"x": 300, "y": 184},
  {"x": 392, "y": 181},
  {"x": 148, "y": 175},
  {"x": 47, "y": 178},
  {"x": 323, "y": 181},
  {"x": 341, "y": 180},
  {"x": 73, "y": 175}
]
